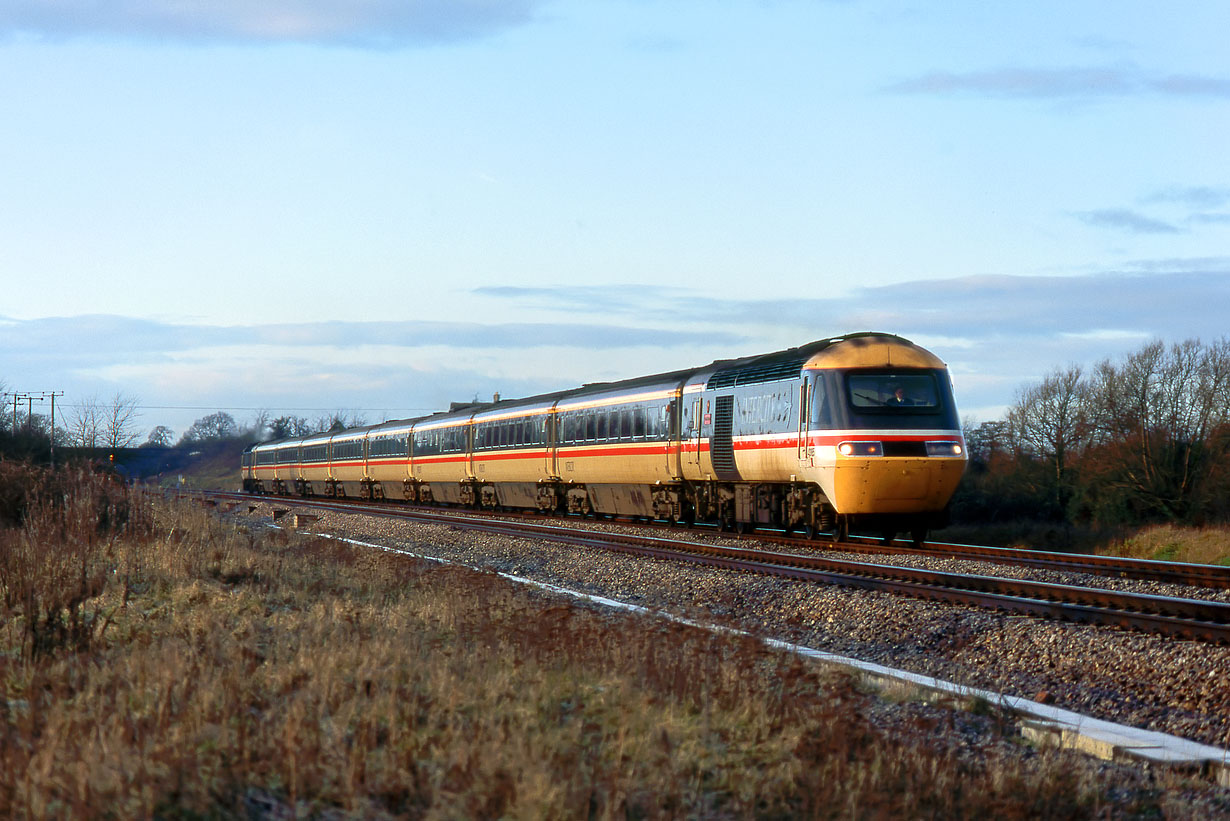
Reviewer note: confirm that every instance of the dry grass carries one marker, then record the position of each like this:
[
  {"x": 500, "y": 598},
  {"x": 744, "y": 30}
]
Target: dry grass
[
  {"x": 198, "y": 670},
  {"x": 1207, "y": 545}
]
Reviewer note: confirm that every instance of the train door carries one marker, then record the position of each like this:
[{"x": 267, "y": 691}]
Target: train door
[
  {"x": 670, "y": 428},
  {"x": 805, "y": 450},
  {"x": 551, "y": 438},
  {"x": 467, "y": 439},
  {"x": 367, "y": 455},
  {"x": 689, "y": 434}
]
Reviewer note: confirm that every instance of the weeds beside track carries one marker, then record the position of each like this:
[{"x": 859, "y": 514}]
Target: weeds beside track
[{"x": 222, "y": 672}]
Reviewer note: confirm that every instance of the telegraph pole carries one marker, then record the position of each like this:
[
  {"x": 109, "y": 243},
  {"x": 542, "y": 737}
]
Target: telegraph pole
[
  {"x": 30, "y": 399},
  {"x": 53, "y": 395}
]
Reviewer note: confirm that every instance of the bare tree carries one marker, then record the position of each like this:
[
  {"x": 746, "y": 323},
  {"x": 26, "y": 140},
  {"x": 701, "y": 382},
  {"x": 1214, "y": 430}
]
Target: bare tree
[
  {"x": 1157, "y": 415},
  {"x": 285, "y": 426},
  {"x": 1050, "y": 421},
  {"x": 83, "y": 423},
  {"x": 119, "y": 422},
  {"x": 159, "y": 437},
  {"x": 211, "y": 428},
  {"x": 261, "y": 422},
  {"x": 338, "y": 421},
  {"x": 985, "y": 441}
]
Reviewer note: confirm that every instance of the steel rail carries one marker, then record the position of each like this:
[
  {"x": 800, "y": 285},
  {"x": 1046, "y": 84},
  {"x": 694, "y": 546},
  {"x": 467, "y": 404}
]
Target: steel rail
[
  {"x": 1185, "y": 573},
  {"x": 1196, "y": 575},
  {"x": 1190, "y": 574},
  {"x": 1171, "y": 616}
]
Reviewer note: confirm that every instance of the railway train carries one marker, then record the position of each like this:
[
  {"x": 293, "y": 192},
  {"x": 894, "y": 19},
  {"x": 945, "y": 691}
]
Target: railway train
[{"x": 857, "y": 431}]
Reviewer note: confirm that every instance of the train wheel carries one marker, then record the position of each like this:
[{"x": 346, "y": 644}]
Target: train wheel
[
  {"x": 888, "y": 536},
  {"x": 841, "y": 529},
  {"x": 918, "y": 536}
]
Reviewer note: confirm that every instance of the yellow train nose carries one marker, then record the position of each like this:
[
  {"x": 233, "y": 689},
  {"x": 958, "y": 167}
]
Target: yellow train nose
[{"x": 889, "y": 485}]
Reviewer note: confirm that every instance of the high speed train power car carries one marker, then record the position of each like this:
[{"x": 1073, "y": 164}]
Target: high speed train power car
[{"x": 856, "y": 431}]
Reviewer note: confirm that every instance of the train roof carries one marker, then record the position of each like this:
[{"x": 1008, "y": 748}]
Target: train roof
[{"x": 721, "y": 373}]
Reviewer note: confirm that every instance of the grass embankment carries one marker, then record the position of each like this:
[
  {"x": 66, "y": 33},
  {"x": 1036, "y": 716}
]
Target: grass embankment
[
  {"x": 157, "y": 662},
  {"x": 1172, "y": 543}
]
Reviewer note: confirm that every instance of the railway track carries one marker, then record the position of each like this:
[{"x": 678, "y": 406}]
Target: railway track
[
  {"x": 1197, "y": 575},
  {"x": 1185, "y": 618}
]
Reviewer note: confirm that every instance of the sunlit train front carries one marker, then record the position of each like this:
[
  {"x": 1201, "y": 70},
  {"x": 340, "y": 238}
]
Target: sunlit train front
[
  {"x": 858, "y": 431},
  {"x": 863, "y": 429}
]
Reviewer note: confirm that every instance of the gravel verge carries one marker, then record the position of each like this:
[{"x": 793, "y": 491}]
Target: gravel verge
[{"x": 1173, "y": 686}]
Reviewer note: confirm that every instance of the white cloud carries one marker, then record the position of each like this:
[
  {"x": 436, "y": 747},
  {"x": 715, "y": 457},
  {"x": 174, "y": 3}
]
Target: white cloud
[
  {"x": 1064, "y": 83},
  {"x": 365, "y": 23},
  {"x": 1123, "y": 219},
  {"x": 995, "y": 332}
]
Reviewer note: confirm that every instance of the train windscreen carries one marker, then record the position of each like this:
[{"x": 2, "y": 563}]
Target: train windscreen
[{"x": 892, "y": 391}]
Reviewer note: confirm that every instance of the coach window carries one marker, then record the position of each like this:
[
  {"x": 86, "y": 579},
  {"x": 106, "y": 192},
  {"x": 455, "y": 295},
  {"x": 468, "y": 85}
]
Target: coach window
[{"x": 821, "y": 411}]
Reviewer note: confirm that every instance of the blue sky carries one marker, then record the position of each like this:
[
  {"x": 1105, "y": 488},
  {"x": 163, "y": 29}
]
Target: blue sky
[{"x": 385, "y": 206}]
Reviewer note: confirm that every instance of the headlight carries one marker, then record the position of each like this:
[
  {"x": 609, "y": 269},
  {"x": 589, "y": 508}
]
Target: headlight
[
  {"x": 945, "y": 449},
  {"x": 860, "y": 449}
]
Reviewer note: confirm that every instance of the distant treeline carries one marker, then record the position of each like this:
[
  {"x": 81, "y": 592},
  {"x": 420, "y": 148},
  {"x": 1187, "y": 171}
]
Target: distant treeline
[
  {"x": 1142, "y": 440},
  {"x": 1132, "y": 442}
]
